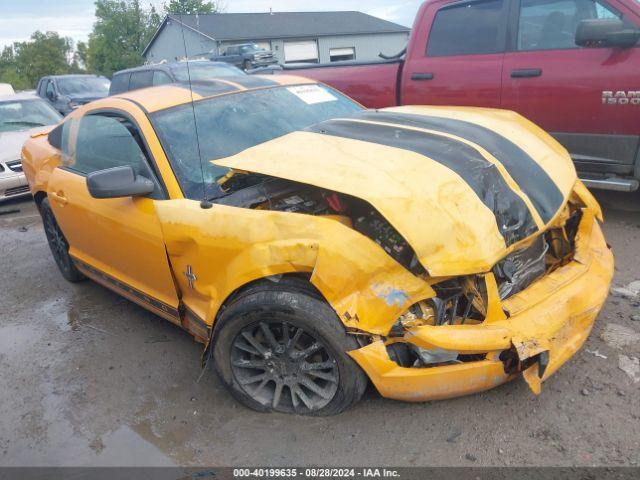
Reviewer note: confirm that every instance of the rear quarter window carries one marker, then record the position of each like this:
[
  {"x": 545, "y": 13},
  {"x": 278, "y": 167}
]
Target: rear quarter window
[
  {"x": 142, "y": 79},
  {"x": 119, "y": 83}
]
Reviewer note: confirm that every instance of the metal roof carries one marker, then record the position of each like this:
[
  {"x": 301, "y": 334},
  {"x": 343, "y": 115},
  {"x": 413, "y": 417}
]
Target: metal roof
[{"x": 259, "y": 26}]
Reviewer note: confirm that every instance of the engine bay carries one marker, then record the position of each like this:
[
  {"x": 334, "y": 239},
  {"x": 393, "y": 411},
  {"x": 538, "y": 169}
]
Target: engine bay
[{"x": 261, "y": 192}]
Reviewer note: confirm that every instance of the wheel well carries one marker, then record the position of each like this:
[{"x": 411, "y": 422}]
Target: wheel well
[{"x": 300, "y": 282}]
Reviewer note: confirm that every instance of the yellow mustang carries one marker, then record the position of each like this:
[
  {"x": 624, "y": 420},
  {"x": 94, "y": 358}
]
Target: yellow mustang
[{"x": 435, "y": 251}]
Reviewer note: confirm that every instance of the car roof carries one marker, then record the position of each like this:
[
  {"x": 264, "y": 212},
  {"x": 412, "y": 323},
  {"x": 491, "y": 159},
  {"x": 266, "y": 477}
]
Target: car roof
[
  {"x": 169, "y": 66},
  {"x": 19, "y": 96},
  {"x": 73, "y": 75},
  {"x": 166, "y": 96}
]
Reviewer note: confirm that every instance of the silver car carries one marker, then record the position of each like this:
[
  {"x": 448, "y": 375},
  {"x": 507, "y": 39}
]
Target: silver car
[{"x": 20, "y": 115}]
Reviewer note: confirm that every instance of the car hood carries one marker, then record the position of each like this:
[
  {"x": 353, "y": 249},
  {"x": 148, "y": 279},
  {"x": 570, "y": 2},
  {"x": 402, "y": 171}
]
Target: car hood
[
  {"x": 86, "y": 98},
  {"x": 464, "y": 186},
  {"x": 11, "y": 143}
]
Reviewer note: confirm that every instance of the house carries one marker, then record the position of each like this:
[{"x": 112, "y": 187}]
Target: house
[{"x": 319, "y": 37}]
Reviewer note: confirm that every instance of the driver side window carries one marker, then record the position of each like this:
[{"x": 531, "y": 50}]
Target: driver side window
[
  {"x": 552, "y": 24},
  {"x": 99, "y": 142}
]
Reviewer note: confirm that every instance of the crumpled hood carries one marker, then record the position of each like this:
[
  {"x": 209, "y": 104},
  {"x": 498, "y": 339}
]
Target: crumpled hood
[
  {"x": 11, "y": 144},
  {"x": 464, "y": 186}
]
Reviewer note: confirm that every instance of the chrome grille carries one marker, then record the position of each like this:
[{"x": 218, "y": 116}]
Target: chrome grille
[{"x": 9, "y": 192}]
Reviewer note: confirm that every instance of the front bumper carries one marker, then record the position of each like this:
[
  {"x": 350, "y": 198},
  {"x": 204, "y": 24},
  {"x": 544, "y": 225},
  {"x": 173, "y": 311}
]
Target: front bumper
[
  {"x": 13, "y": 185},
  {"x": 264, "y": 62},
  {"x": 554, "y": 315}
]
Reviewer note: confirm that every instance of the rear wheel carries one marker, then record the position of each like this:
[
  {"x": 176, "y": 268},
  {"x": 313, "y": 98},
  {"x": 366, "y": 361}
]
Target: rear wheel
[
  {"x": 282, "y": 349},
  {"x": 58, "y": 244}
]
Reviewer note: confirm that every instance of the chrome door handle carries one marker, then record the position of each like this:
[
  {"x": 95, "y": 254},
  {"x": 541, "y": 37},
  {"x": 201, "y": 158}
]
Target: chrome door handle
[
  {"x": 526, "y": 72},
  {"x": 422, "y": 76}
]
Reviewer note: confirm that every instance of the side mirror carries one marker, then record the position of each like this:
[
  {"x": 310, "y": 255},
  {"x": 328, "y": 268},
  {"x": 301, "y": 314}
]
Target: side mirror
[
  {"x": 118, "y": 182},
  {"x": 51, "y": 96},
  {"x": 606, "y": 33}
]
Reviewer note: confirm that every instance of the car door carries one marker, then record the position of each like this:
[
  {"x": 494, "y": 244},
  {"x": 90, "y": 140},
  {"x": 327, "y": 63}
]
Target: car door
[
  {"x": 118, "y": 241},
  {"x": 456, "y": 57},
  {"x": 563, "y": 88}
]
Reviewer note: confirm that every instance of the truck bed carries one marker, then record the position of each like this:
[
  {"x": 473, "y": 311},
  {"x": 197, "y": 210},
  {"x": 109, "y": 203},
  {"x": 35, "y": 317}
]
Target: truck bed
[{"x": 373, "y": 84}]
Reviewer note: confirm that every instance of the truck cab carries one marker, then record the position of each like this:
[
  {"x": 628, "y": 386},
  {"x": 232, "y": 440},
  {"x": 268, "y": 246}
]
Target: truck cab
[{"x": 522, "y": 55}]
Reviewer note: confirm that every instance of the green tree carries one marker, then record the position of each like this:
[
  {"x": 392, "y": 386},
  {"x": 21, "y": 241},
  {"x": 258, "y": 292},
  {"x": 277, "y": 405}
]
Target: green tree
[
  {"x": 190, "y": 7},
  {"x": 9, "y": 72},
  {"x": 80, "y": 55},
  {"x": 122, "y": 30},
  {"x": 24, "y": 63}
]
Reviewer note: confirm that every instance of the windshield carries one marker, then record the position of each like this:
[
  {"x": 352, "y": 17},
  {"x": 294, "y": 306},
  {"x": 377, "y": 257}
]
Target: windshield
[
  {"x": 25, "y": 114},
  {"x": 84, "y": 85},
  {"x": 251, "y": 48},
  {"x": 229, "y": 124},
  {"x": 205, "y": 72}
]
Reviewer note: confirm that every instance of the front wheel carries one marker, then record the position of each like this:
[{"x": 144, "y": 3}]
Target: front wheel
[
  {"x": 282, "y": 349},
  {"x": 246, "y": 65},
  {"x": 58, "y": 244}
]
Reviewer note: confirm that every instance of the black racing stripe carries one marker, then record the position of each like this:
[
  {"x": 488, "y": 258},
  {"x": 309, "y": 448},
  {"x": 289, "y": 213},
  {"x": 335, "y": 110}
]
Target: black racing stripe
[
  {"x": 532, "y": 179},
  {"x": 513, "y": 218},
  {"x": 209, "y": 88},
  {"x": 250, "y": 81}
]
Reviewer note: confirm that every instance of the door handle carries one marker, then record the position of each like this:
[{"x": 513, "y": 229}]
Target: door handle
[
  {"x": 59, "y": 197},
  {"x": 422, "y": 76},
  {"x": 526, "y": 72}
]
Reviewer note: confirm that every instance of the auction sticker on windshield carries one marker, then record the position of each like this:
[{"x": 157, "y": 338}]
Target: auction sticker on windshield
[{"x": 312, "y": 94}]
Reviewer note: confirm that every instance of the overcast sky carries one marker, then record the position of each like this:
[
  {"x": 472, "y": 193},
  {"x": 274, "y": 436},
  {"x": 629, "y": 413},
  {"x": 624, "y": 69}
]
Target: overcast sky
[{"x": 74, "y": 18}]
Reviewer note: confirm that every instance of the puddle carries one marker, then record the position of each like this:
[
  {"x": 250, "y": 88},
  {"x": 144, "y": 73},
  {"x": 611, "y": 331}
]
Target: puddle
[{"x": 126, "y": 448}]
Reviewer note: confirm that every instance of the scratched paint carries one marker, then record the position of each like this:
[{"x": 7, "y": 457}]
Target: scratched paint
[{"x": 391, "y": 296}]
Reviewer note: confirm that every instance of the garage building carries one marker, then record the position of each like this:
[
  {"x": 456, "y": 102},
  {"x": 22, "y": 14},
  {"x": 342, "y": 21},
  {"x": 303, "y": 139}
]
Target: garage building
[{"x": 318, "y": 37}]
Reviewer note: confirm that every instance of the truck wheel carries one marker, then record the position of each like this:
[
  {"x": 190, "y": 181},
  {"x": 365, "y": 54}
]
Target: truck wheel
[
  {"x": 280, "y": 348},
  {"x": 58, "y": 244},
  {"x": 246, "y": 65}
]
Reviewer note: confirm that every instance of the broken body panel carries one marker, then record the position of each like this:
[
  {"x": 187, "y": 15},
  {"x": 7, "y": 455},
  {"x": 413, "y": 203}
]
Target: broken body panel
[{"x": 458, "y": 227}]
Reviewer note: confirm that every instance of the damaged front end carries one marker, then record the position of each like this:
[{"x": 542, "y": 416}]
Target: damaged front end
[
  {"x": 529, "y": 314},
  {"x": 459, "y": 334},
  {"x": 416, "y": 260}
]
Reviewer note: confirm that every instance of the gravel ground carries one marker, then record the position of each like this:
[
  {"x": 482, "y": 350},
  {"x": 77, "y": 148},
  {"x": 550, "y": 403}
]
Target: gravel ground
[{"x": 89, "y": 378}]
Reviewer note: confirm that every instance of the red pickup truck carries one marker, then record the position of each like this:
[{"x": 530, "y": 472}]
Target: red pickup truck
[{"x": 571, "y": 66}]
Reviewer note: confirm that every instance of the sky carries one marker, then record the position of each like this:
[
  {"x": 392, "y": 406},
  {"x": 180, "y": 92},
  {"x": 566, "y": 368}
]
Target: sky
[{"x": 74, "y": 18}]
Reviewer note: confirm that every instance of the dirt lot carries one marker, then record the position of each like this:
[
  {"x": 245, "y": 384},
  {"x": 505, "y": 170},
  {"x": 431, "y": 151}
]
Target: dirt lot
[{"x": 89, "y": 378}]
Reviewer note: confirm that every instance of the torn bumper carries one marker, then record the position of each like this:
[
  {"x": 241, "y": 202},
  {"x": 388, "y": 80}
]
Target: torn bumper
[{"x": 554, "y": 315}]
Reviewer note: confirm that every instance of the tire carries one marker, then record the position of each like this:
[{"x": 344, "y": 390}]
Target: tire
[
  {"x": 246, "y": 65},
  {"x": 305, "y": 359},
  {"x": 58, "y": 244}
]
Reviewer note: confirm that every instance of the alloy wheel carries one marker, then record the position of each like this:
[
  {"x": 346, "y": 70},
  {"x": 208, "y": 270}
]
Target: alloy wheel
[{"x": 284, "y": 367}]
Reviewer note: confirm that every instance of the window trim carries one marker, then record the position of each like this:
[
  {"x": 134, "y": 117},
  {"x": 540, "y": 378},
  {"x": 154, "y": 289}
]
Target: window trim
[
  {"x": 514, "y": 31},
  {"x": 503, "y": 28},
  {"x": 146, "y": 150}
]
